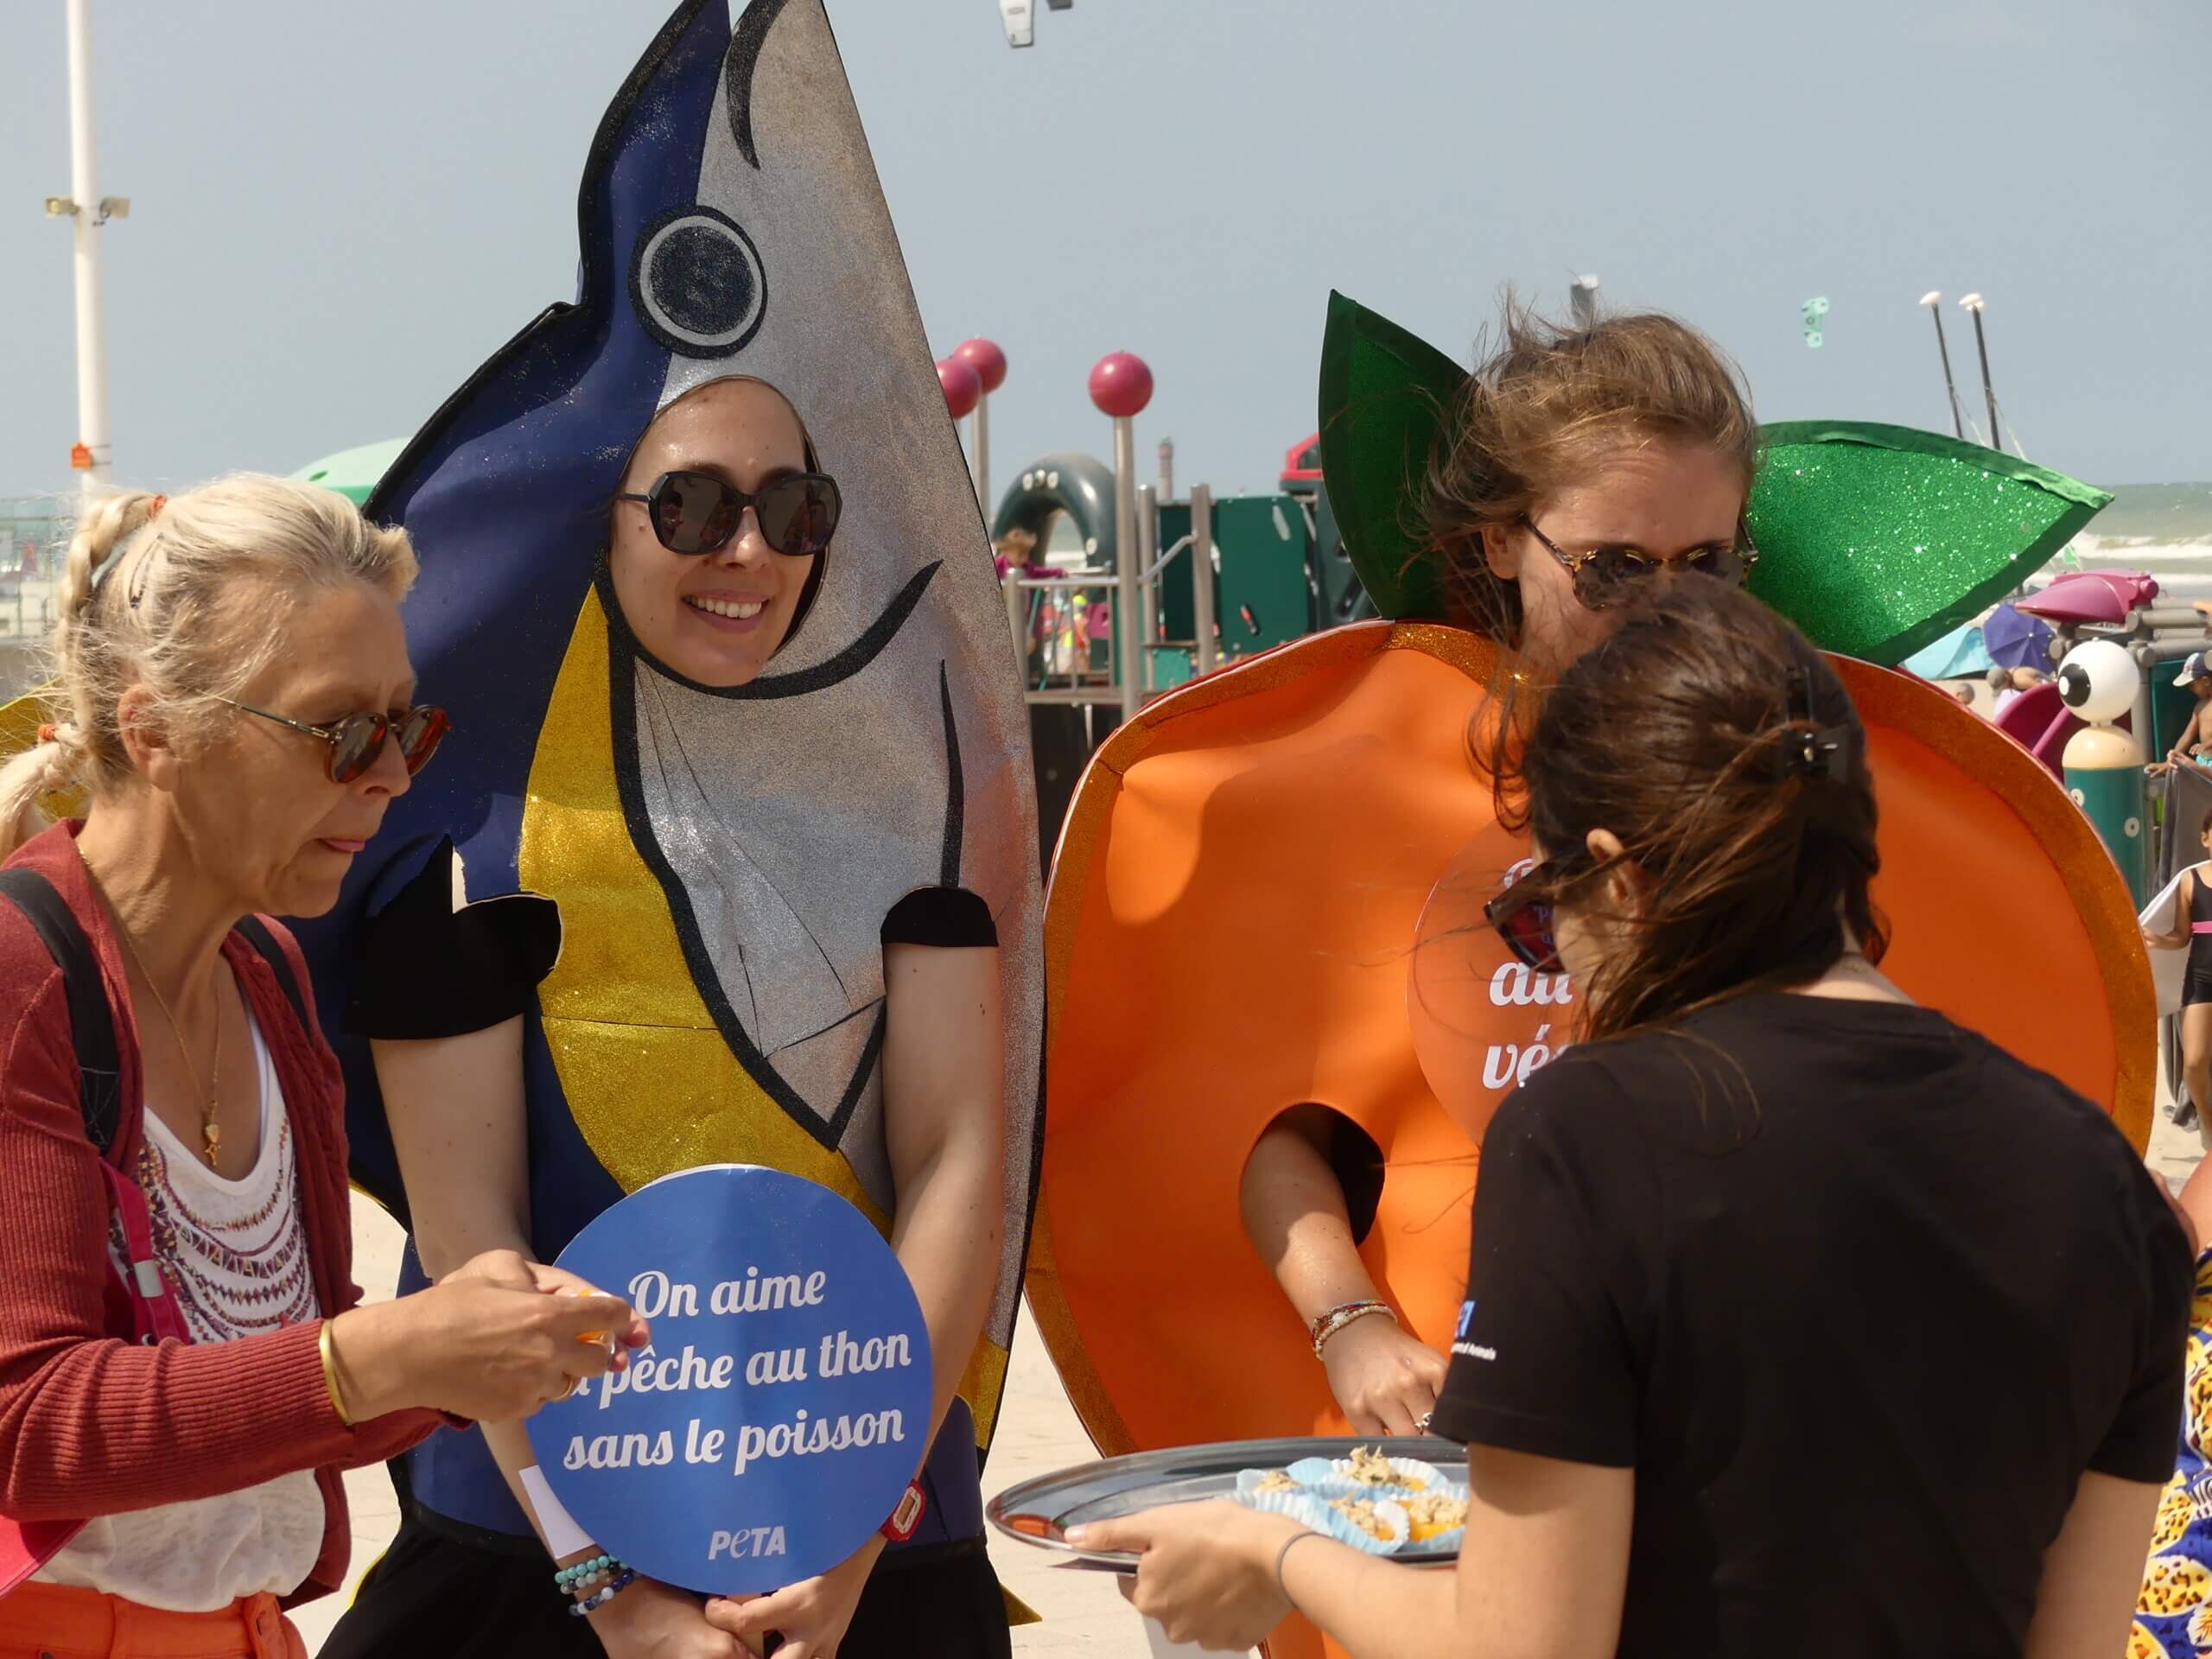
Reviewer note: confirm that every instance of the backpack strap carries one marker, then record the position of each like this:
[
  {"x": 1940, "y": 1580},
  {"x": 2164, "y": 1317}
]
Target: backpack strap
[
  {"x": 154, "y": 1314},
  {"x": 91, "y": 1026},
  {"x": 264, "y": 944}
]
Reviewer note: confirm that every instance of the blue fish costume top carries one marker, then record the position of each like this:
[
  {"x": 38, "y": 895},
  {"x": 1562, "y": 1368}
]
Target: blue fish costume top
[{"x": 723, "y": 858}]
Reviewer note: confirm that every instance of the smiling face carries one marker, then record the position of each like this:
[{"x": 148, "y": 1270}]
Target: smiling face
[
  {"x": 716, "y": 618},
  {"x": 257, "y": 803},
  {"x": 1665, "y": 499}
]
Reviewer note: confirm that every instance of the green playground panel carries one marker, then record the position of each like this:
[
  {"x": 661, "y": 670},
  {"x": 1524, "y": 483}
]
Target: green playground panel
[{"x": 1263, "y": 595}]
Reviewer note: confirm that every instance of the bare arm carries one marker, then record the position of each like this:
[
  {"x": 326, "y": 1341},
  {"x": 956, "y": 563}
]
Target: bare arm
[
  {"x": 2093, "y": 1570},
  {"x": 1542, "y": 1573},
  {"x": 456, "y": 1108},
  {"x": 1295, "y": 1213},
  {"x": 944, "y": 1124},
  {"x": 2178, "y": 935}
]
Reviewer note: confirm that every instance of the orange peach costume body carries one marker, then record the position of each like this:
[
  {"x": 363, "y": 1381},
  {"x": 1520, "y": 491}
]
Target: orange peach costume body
[{"x": 1268, "y": 893}]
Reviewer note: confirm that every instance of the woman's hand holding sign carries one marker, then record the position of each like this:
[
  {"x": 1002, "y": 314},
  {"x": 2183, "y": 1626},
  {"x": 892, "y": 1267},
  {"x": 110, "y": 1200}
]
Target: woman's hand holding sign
[
  {"x": 487, "y": 1343},
  {"x": 811, "y": 1619}
]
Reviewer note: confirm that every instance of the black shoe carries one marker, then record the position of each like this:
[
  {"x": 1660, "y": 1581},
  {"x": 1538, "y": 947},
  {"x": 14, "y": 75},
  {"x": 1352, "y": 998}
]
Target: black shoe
[{"x": 2185, "y": 1113}]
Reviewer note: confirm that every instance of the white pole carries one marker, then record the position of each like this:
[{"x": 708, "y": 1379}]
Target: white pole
[
  {"x": 1129, "y": 630},
  {"x": 980, "y": 460},
  {"x": 91, "y": 343}
]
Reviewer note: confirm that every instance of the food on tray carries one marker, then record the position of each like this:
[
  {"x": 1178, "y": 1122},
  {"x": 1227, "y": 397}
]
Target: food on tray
[
  {"x": 1277, "y": 1480},
  {"x": 1434, "y": 1513},
  {"x": 1362, "y": 1513},
  {"x": 1366, "y": 1467}
]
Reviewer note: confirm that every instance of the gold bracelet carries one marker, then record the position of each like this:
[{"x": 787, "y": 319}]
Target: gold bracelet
[
  {"x": 1337, "y": 1318},
  {"x": 330, "y": 1375}
]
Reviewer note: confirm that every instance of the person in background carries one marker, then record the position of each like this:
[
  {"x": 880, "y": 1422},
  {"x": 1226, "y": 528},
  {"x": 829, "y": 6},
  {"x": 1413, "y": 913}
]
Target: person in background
[
  {"x": 185, "y": 1368},
  {"x": 1742, "y": 1270},
  {"x": 1583, "y": 461},
  {"x": 2193, "y": 929},
  {"x": 2194, "y": 743}
]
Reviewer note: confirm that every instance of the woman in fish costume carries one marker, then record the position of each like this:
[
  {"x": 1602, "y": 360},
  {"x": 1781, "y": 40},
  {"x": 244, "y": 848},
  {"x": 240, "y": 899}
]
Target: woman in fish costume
[
  {"x": 741, "y": 797},
  {"x": 1272, "y": 1001}
]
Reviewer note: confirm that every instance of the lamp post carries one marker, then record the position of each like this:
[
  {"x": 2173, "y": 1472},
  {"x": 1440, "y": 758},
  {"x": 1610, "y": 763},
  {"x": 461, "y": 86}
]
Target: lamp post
[
  {"x": 1120, "y": 386},
  {"x": 1934, "y": 301},
  {"x": 91, "y": 454}
]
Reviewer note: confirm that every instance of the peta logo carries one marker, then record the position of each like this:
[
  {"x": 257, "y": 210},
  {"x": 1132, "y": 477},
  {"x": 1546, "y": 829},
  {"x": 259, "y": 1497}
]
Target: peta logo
[{"x": 746, "y": 1541}]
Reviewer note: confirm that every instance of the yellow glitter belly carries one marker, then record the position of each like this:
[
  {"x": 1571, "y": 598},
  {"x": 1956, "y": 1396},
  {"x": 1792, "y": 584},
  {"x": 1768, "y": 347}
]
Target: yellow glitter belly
[{"x": 648, "y": 1080}]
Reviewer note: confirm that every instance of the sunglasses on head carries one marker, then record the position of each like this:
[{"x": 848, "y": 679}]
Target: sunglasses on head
[
  {"x": 1600, "y": 572},
  {"x": 357, "y": 741},
  {"x": 698, "y": 513}
]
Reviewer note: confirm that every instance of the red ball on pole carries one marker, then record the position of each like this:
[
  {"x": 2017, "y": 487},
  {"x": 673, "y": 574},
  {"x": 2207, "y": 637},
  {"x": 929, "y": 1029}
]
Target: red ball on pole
[
  {"x": 1120, "y": 386},
  {"x": 986, "y": 358},
  {"x": 962, "y": 386}
]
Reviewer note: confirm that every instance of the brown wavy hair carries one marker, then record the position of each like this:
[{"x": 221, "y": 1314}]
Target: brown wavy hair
[
  {"x": 1710, "y": 737},
  {"x": 1543, "y": 408}
]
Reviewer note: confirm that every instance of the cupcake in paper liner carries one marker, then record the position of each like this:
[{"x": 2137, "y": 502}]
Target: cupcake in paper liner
[
  {"x": 1364, "y": 1472},
  {"x": 1250, "y": 1481},
  {"x": 1374, "y": 1526},
  {"x": 1437, "y": 1520}
]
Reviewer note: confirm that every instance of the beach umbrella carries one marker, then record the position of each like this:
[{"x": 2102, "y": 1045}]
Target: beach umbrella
[
  {"x": 2015, "y": 640},
  {"x": 1958, "y": 654}
]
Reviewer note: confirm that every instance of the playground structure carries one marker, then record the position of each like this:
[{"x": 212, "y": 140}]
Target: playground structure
[{"x": 1209, "y": 579}]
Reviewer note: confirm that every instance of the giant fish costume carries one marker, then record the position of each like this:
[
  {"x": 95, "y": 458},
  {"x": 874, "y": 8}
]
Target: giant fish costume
[
  {"x": 723, "y": 858},
  {"x": 1269, "y": 893}
]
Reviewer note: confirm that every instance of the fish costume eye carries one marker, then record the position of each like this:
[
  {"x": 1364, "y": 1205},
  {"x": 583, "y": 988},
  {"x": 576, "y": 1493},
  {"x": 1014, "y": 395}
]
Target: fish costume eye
[{"x": 697, "y": 284}]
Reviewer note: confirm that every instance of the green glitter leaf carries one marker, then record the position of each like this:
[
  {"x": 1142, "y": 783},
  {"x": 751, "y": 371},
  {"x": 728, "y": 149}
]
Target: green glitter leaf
[
  {"x": 1876, "y": 540},
  {"x": 1384, "y": 394}
]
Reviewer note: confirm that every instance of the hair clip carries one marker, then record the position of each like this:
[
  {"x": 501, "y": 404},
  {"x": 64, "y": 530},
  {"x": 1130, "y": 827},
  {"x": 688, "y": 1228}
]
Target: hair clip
[
  {"x": 1809, "y": 751},
  {"x": 154, "y": 511},
  {"x": 48, "y": 734}
]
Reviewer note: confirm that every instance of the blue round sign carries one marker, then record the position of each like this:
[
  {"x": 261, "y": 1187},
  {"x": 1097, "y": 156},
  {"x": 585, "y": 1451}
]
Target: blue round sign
[{"x": 784, "y": 1405}]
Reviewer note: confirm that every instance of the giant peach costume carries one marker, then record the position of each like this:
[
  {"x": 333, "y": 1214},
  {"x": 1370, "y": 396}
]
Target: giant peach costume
[{"x": 1269, "y": 890}]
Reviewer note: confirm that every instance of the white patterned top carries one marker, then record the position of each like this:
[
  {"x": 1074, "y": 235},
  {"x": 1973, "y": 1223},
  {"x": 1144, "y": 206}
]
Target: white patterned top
[{"x": 235, "y": 1255}]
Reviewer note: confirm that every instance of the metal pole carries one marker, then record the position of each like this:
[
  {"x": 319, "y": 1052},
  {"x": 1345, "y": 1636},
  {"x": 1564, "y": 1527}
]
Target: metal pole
[
  {"x": 1168, "y": 469},
  {"x": 1017, "y": 619},
  {"x": 979, "y": 441},
  {"x": 1148, "y": 552},
  {"x": 1129, "y": 635},
  {"x": 1973, "y": 302},
  {"x": 1933, "y": 301},
  {"x": 1202, "y": 573},
  {"x": 92, "y": 344}
]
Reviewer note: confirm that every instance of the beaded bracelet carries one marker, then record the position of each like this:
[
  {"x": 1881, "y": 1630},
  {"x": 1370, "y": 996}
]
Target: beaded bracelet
[
  {"x": 580, "y": 1576},
  {"x": 1336, "y": 1318},
  {"x": 600, "y": 1599}
]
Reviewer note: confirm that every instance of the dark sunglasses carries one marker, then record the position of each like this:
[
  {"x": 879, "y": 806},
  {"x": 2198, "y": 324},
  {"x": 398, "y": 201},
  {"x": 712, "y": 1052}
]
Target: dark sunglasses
[
  {"x": 1522, "y": 913},
  {"x": 357, "y": 740},
  {"x": 698, "y": 512},
  {"x": 1599, "y": 572}
]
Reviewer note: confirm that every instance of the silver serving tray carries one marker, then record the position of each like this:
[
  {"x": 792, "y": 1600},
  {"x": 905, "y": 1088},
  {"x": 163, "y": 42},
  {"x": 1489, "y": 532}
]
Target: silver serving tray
[{"x": 1040, "y": 1512}]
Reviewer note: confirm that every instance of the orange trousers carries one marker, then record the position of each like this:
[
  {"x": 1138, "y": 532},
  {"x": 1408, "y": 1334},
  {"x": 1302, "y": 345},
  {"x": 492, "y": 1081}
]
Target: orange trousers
[{"x": 53, "y": 1621}]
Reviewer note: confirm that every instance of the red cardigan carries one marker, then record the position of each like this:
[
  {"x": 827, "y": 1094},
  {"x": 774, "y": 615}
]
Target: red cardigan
[{"x": 90, "y": 1423}]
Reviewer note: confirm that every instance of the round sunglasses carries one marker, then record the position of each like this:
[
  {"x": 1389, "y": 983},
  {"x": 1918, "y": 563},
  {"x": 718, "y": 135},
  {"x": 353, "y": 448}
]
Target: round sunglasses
[
  {"x": 357, "y": 741},
  {"x": 1600, "y": 572},
  {"x": 698, "y": 513}
]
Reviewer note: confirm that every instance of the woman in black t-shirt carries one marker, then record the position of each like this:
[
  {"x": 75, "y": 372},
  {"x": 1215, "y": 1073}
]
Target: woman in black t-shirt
[{"x": 1799, "y": 1319}]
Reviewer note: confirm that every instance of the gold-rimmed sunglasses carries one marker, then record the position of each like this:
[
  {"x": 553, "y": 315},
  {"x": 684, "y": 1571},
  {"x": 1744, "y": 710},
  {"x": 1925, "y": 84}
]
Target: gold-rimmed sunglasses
[{"x": 1600, "y": 572}]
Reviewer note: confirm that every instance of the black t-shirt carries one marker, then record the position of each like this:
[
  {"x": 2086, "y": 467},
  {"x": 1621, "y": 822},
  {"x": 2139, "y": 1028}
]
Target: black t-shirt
[{"x": 1856, "y": 1295}]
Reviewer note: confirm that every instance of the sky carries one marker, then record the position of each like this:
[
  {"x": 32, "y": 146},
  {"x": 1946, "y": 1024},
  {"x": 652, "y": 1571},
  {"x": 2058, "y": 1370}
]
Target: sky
[{"x": 338, "y": 212}]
